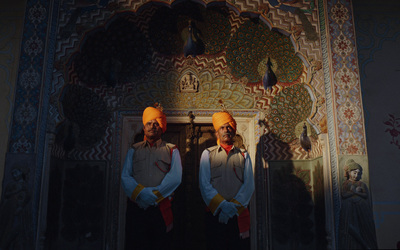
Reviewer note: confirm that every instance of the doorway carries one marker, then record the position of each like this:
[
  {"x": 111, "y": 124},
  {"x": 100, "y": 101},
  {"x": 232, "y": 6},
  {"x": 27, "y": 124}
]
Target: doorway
[
  {"x": 191, "y": 139},
  {"x": 188, "y": 205}
]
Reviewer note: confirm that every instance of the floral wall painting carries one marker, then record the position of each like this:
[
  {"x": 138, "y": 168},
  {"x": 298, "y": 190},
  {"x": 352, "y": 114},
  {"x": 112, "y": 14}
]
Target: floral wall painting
[{"x": 393, "y": 128}]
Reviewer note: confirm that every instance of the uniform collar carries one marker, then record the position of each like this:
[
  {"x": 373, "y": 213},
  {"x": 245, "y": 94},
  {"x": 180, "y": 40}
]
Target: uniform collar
[
  {"x": 221, "y": 148},
  {"x": 156, "y": 144}
]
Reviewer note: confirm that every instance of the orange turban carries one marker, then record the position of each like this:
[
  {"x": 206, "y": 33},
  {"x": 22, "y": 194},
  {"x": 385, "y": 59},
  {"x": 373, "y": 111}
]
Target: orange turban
[
  {"x": 151, "y": 113},
  {"x": 220, "y": 118}
]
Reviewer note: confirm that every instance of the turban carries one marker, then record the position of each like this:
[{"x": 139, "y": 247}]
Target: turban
[
  {"x": 151, "y": 113},
  {"x": 350, "y": 166},
  {"x": 220, "y": 118}
]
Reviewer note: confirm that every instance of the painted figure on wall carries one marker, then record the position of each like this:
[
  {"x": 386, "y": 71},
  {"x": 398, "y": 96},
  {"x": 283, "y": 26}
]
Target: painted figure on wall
[
  {"x": 357, "y": 227},
  {"x": 189, "y": 83},
  {"x": 152, "y": 171}
]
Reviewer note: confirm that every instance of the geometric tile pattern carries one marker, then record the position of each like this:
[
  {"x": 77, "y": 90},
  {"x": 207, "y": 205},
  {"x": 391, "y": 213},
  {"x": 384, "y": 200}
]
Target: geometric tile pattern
[{"x": 277, "y": 149}]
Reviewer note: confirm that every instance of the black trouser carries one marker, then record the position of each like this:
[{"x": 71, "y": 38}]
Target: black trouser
[
  {"x": 224, "y": 236},
  {"x": 145, "y": 229}
]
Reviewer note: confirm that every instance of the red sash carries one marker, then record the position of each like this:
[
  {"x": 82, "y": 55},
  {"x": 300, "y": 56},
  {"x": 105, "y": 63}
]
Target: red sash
[
  {"x": 165, "y": 206},
  {"x": 166, "y": 211},
  {"x": 244, "y": 224}
]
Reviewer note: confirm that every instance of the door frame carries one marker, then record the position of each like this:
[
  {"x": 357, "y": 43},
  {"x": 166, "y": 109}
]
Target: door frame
[{"x": 247, "y": 126}]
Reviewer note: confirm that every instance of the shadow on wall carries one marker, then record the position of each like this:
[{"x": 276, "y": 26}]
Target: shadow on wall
[
  {"x": 291, "y": 210},
  {"x": 295, "y": 198},
  {"x": 77, "y": 205}
]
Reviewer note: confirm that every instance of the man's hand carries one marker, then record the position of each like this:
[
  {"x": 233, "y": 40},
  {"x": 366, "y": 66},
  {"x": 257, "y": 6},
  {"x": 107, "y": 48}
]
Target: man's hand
[
  {"x": 141, "y": 203},
  {"x": 223, "y": 217},
  {"x": 229, "y": 208},
  {"x": 146, "y": 197}
]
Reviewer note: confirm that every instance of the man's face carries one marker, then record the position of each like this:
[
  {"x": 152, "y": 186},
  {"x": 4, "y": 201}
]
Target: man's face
[
  {"x": 225, "y": 134},
  {"x": 152, "y": 130}
]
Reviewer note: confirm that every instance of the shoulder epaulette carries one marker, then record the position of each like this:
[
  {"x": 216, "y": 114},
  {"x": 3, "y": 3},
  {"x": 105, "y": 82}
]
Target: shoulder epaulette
[
  {"x": 137, "y": 144},
  {"x": 171, "y": 146},
  {"x": 243, "y": 151},
  {"x": 212, "y": 148}
]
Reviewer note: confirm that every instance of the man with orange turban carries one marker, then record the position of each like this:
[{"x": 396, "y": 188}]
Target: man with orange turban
[
  {"x": 151, "y": 173},
  {"x": 226, "y": 185}
]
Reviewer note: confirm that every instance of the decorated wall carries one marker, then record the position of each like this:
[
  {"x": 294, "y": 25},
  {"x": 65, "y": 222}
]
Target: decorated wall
[
  {"x": 134, "y": 56},
  {"x": 85, "y": 64}
]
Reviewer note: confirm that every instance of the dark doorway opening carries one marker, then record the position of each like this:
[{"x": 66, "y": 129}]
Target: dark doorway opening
[{"x": 189, "y": 207}]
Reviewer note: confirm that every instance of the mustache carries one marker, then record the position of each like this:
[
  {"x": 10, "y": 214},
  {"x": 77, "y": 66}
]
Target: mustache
[{"x": 227, "y": 133}]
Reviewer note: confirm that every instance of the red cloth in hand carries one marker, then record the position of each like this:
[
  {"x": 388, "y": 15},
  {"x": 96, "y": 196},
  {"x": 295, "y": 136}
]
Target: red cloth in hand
[
  {"x": 244, "y": 223},
  {"x": 166, "y": 211}
]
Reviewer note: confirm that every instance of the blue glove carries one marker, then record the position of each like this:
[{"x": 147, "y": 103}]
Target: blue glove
[
  {"x": 141, "y": 203},
  {"x": 147, "y": 197},
  {"x": 223, "y": 217},
  {"x": 229, "y": 208}
]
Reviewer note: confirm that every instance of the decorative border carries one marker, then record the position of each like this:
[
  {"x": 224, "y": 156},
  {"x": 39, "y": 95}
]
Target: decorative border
[
  {"x": 27, "y": 128},
  {"x": 345, "y": 76},
  {"x": 48, "y": 66},
  {"x": 30, "y": 72},
  {"x": 330, "y": 115}
]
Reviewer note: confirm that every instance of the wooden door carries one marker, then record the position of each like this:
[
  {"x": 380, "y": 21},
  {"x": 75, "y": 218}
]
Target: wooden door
[{"x": 189, "y": 207}]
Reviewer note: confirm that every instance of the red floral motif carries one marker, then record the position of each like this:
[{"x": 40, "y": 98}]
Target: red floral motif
[
  {"x": 394, "y": 129},
  {"x": 340, "y": 13},
  {"x": 345, "y": 78},
  {"x": 352, "y": 149},
  {"x": 348, "y": 113},
  {"x": 342, "y": 45}
]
